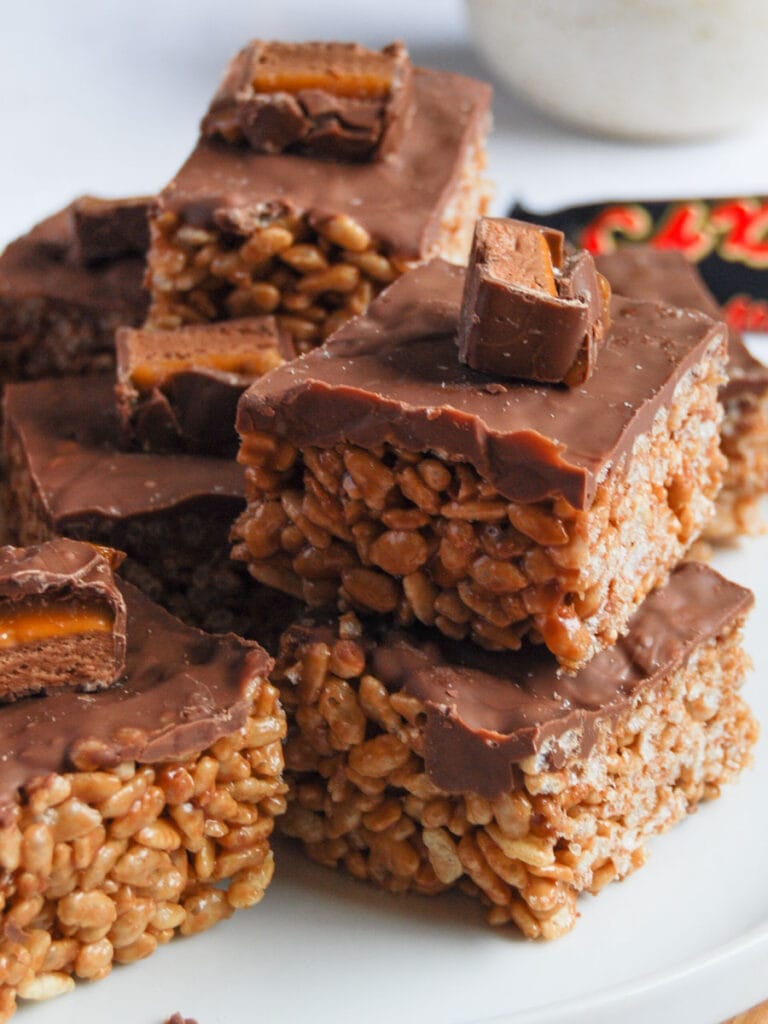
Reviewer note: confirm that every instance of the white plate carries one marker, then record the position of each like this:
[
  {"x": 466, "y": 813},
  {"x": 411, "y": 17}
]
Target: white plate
[{"x": 683, "y": 939}]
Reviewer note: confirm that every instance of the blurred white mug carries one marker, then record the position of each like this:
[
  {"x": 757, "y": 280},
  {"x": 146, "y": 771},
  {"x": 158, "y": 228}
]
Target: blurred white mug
[{"x": 661, "y": 69}]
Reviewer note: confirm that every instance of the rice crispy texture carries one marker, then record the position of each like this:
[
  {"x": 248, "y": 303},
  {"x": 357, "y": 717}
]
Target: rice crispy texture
[
  {"x": 360, "y": 797},
  {"x": 100, "y": 866}
]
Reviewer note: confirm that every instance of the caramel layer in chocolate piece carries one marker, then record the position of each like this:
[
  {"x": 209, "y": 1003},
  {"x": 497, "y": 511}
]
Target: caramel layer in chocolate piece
[
  {"x": 400, "y": 202},
  {"x": 182, "y": 690},
  {"x": 487, "y": 711},
  {"x": 62, "y": 619},
  {"x": 178, "y": 390},
  {"x": 108, "y": 229},
  {"x": 665, "y": 275},
  {"x": 339, "y": 101},
  {"x": 393, "y": 375},
  {"x": 530, "y": 312},
  {"x": 57, "y": 314}
]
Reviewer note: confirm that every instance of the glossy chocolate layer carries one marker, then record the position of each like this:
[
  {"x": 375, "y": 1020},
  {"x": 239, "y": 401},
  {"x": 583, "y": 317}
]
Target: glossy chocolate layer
[
  {"x": 44, "y": 590},
  {"x": 393, "y": 375},
  {"x": 182, "y": 691},
  {"x": 173, "y": 396},
  {"x": 529, "y": 312},
  {"x": 665, "y": 275},
  {"x": 337, "y": 101},
  {"x": 400, "y": 200},
  {"x": 487, "y": 711},
  {"x": 69, "y": 432}
]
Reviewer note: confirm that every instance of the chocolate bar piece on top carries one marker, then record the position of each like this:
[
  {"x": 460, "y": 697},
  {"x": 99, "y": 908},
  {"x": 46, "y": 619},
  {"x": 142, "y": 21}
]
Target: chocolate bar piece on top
[
  {"x": 385, "y": 473},
  {"x": 178, "y": 390},
  {"x": 67, "y": 284},
  {"x": 279, "y": 229},
  {"x": 137, "y": 812},
  {"x": 170, "y": 514},
  {"x": 665, "y": 275},
  {"x": 531, "y": 311},
  {"x": 62, "y": 619},
  {"x": 421, "y": 763}
]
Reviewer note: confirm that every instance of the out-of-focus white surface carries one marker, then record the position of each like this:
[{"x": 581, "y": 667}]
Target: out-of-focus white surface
[
  {"x": 633, "y": 68},
  {"x": 105, "y": 98}
]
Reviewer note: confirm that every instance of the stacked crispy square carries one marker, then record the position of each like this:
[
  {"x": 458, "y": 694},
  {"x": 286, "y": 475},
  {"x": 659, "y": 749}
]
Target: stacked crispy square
[{"x": 523, "y": 683}]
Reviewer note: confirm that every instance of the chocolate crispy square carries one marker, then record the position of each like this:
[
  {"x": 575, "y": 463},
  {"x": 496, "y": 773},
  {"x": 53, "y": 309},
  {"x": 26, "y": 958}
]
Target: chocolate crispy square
[
  {"x": 644, "y": 272},
  {"x": 67, "y": 284},
  {"x": 241, "y": 233},
  {"x": 385, "y": 474},
  {"x": 170, "y": 514},
  {"x": 138, "y": 812},
  {"x": 423, "y": 764}
]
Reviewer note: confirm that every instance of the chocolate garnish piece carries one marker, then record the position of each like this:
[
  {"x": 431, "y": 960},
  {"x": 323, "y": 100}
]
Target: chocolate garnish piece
[
  {"x": 393, "y": 376},
  {"x": 182, "y": 690},
  {"x": 338, "y": 101},
  {"x": 530, "y": 311},
  {"x": 487, "y": 711},
  {"x": 108, "y": 229},
  {"x": 178, "y": 390},
  {"x": 62, "y": 619}
]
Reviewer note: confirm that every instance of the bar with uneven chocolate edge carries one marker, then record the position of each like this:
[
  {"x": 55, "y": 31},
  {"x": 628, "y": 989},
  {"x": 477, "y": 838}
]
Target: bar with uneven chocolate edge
[
  {"x": 178, "y": 390},
  {"x": 530, "y": 311},
  {"x": 340, "y": 101},
  {"x": 644, "y": 272},
  {"x": 424, "y": 764},
  {"x": 59, "y": 307},
  {"x": 62, "y": 619},
  {"x": 171, "y": 514},
  {"x": 387, "y": 475},
  {"x": 239, "y": 233},
  {"x": 138, "y": 812}
]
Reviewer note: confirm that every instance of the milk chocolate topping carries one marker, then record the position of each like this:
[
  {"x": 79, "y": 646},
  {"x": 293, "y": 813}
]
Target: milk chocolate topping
[
  {"x": 393, "y": 375},
  {"x": 400, "y": 200},
  {"x": 69, "y": 430},
  {"x": 183, "y": 690},
  {"x": 665, "y": 275},
  {"x": 486, "y": 711}
]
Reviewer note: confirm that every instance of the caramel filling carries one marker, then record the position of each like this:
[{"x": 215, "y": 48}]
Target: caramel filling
[
  {"x": 526, "y": 259},
  {"x": 354, "y": 84},
  {"x": 28, "y": 623},
  {"x": 146, "y": 376}
]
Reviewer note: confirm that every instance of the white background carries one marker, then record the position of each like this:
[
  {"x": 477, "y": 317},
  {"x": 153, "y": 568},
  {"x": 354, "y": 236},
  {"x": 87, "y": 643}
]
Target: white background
[{"x": 104, "y": 97}]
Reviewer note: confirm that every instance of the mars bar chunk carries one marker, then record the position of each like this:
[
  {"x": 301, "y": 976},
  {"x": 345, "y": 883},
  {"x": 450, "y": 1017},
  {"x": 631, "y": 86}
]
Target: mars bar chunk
[
  {"x": 62, "y": 619},
  {"x": 530, "y": 311},
  {"x": 335, "y": 100},
  {"x": 178, "y": 390}
]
